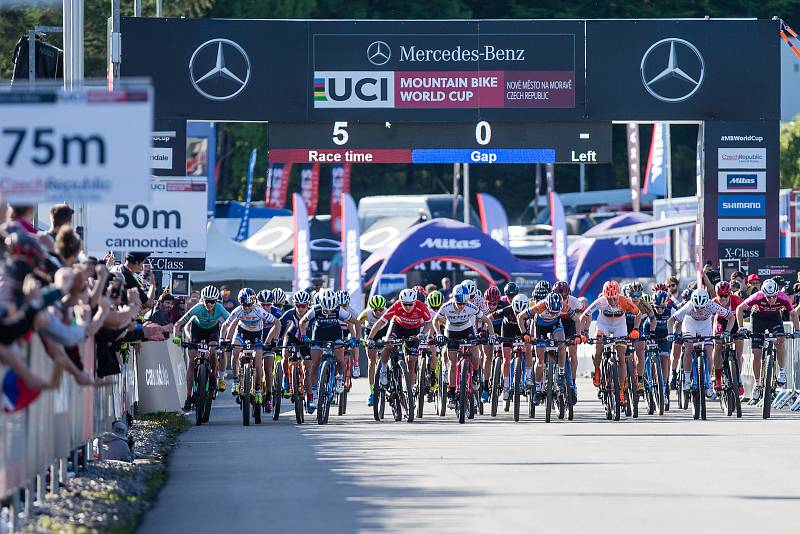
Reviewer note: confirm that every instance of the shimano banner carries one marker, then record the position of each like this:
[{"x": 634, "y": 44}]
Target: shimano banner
[
  {"x": 301, "y": 255},
  {"x": 351, "y": 253},
  {"x": 494, "y": 220},
  {"x": 558, "y": 220}
]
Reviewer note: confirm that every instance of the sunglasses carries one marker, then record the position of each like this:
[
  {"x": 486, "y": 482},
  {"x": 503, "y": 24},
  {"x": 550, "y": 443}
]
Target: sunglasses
[
  {"x": 672, "y": 285},
  {"x": 636, "y": 295},
  {"x": 378, "y": 310},
  {"x": 301, "y": 305},
  {"x": 209, "y": 301}
]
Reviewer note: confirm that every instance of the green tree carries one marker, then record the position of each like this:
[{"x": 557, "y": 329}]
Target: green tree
[{"x": 790, "y": 153}]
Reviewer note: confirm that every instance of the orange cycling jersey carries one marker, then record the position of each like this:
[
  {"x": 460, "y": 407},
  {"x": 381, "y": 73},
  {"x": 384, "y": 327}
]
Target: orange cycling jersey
[
  {"x": 616, "y": 311},
  {"x": 546, "y": 315}
]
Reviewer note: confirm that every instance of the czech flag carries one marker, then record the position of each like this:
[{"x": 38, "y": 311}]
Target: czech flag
[{"x": 16, "y": 393}]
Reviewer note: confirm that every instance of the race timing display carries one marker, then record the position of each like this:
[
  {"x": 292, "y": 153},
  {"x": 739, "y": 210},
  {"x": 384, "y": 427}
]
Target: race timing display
[{"x": 482, "y": 142}]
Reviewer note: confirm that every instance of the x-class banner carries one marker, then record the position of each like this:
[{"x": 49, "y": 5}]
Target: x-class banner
[{"x": 447, "y": 70}]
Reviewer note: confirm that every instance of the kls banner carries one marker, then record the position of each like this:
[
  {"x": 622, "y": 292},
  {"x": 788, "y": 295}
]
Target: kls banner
[
  {"x": 340, "y": 183},
  {"x": 171, "y": 225},
  {"x": 309, "y": 186},
  {"x": 277, "y": 184},
  {"x": 83, "y": 146}
]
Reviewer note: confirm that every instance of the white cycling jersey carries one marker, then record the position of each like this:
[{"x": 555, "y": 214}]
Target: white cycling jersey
[
  {"x": 701, "y": 314},
  {"x": 253, "y": 320},
  {"x": 459, "y": 320}
]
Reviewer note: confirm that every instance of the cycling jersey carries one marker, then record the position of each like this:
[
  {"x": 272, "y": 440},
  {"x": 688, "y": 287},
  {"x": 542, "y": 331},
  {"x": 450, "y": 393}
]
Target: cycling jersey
[
  {"x": 700, "y": 314},
  {"x": 758, "y": 303},
  {"x": 253, "y": 320},
  {"x": 733, "y": 303},
  {"x": 547, "y": 317},
  {"x": 329, "y": 318},
  {"x": 417, "y": 316},
  {"x": 613, "y": 312},
  {"x": 290, "y": 324},
  {"x": 481, "y": 303},
  {"x": 497, "y": 321},
  {"x": 459, "y": 320},
  {"x": 206, "y": 320},
  {"x": 368, "y": 318}
]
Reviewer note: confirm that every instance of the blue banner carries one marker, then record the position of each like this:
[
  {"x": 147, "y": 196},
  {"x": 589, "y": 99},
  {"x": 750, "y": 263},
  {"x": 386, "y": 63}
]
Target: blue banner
[
  {"x": 483, "y": 155},
  {"x": 494, "y": 220},
  {"x": 244, "y": 224},
  {"x": 655, "y": 180},
  {"x": 558, "y": 220},
  {"x": 301, "y": 255},
  {"x": 741, "y": 205}
]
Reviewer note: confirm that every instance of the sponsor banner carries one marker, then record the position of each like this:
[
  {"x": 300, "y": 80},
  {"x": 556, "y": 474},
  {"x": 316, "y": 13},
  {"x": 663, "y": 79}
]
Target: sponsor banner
[
  {"x": 351, "y": 252},
  {"x": 743, "y": 251},
  {"x": 277, "y": 184},
  {"x": 83, "y": 146},
  {"x": 166, "y": 263},
  {"x": 309, "y": 187},
  {"x": 168, "y": 148},
  {"x": 494, "y": 220},
  {"x": 441, "y": 243},
  {"x": 655, "y": 180},
  {"x": 741, "y": 229},
  {"x": 301, "y": 255},
  {"x": 741, "y": 138},
  {"x": 340, "y": 183},
  {"x": 769, "y": 267},
  {"x": 160, "y": 158},
  {"x": 741, "y": 205},
  {"x": 389, "y": 284},
  {"x": 558, "y": 221},
  {"x": 360, "y": 89},
  {"x": 634, "y": 171},
  {"x": 742, "y": 158},
  {"x": 742, "y": 182},
  {"x": 244, "y": 224},
  {"x": 171, "y": 225}
]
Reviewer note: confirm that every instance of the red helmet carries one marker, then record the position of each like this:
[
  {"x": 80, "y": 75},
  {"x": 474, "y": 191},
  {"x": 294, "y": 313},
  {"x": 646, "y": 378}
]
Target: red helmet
[
  {"x": 660, "y": 287},
  {"x": 492, "y": 295},
  {"x": 611, "y": 289},
  {"x": 723, "y": 289},
  {"x": 562, "y": 288}
]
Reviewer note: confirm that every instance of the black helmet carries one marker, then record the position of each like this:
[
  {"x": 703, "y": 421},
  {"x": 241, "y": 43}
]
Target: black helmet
[{"x": 511, "y": 289}]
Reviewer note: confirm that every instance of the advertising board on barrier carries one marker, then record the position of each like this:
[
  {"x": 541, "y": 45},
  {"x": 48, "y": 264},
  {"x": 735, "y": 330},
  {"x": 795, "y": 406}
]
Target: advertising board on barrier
[
  {"x": 83, "y": 146},
  {"x": 172, "y": 225},
  {"x": 741, "y": 205}
]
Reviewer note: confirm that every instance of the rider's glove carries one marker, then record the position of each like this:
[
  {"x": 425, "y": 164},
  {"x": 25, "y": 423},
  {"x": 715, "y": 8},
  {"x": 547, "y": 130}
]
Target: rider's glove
[
  {"x": 526, "y": 338},
  {"x": 744, "y": 332},
  {"x": 370, "y": 343},
  {"x": 353, "y": 342},
  {"x": 177, "y": 340},
  {"x": 634, "y": 334},
  {"x": 492, "y": 339},
  {"x": 440, "y": 339},
  {"x": 673, "y": 337},
  {"x": 305, "y": 339}
]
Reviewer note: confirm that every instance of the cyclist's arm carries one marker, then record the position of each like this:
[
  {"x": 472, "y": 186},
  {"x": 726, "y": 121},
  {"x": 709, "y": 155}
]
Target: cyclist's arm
[
  {"x": 522, "y": 320},
  {"x": 379, "y": 324},
  {"x": 794, "y": 317},
  {"x": 354, "y": 326},
  {"x": 740, "y": 309},
  {"x": 706, "y": 282},
  {"x": 180, "y": 323},
  {"x": 226, "y": 332},
  {"x": 303, "y": 323},
  {"x": 488, "y": 323},
  {"x": 274, "y": 331}
]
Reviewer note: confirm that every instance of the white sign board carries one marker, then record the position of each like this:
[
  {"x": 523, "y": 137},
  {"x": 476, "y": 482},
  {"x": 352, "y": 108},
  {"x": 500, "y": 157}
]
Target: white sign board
[
  {"x": 91, "y": 145},
  {"x": 172, "y": 224}
]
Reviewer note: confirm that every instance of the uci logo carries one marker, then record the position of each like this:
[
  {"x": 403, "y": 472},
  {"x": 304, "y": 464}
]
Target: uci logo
[{"x": 353, "y": 89}]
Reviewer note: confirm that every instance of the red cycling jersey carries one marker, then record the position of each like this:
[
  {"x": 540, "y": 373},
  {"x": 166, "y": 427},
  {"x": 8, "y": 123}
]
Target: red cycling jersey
[{"x": 413, "y": 318}]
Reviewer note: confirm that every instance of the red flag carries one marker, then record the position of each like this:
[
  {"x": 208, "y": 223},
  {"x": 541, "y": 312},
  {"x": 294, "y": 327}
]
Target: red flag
[
  {"x": 340, "y": 183},
  {"x": 309, "y": 186},
  {"x": 277, "y": 184}
]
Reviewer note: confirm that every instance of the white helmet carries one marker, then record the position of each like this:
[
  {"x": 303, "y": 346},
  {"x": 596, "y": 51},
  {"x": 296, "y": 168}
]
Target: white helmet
[
  {"x": 328, "y": 300},
  {"x": 210, "y": 293},
  {"x": 278, "y": 296},
  {"x": 699, "y": 298},
  {"x": 769, "y": 287},
  {"x": 520, "y": 303},
  {"x": 301, "y": 297},
  {"x": 471, "y": 286},
  {"x": 408, "y": 296}
]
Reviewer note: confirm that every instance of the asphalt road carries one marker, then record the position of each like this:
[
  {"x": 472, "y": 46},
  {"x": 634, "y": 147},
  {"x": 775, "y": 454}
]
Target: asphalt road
[{"x": 654, "y": 474}]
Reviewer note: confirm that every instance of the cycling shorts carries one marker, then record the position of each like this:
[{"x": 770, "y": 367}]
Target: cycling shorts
[
  {"x": 509, "y": 330},
  {"x": 692, "y": 327},
  {"x": 455, "y": 337},
  {"x": 325, "y": 333},
  {"x": 611, "y": 327},
  {"x": 570, "y": 330},
  {"x": 381, "y": 334},
  {"x": 543, "y": 331},
  {"x": 761, "y": 322},
  {"x": 253, "y": 336},
  {"x": 206, "y": 335},
  {"x": 409, "y": 334},
  {"x": 302, "y": 348}
]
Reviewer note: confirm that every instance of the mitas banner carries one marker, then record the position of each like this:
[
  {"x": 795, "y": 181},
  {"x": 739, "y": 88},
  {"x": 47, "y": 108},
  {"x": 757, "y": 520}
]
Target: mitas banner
[
  {"x": 309, "y": 186},
  {"x": 351, "y": 252},
  {"x": 340, "y": 183},
  {"x": 277, "y": 184}
]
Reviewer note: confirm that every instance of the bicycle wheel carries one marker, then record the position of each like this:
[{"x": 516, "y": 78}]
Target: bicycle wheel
[
  {"x": 650, "y": 387},
  {"x": 515, "y": 393},
  {"x": 323, "y": 395},
  {"x": 660, "y": 386},
  {"x": 734, "y": 369},
  {"x": 406, "y": 393},
  {"x": 200, "y": 393},
  {"x": 769, "y": 375},
  {"x": 630, "y": 388},
  {"x": 462, "y": 402},
  {"x": 422, "y": 383},
  {"x": 277, "y": 390},
  {"x": 570, "y": 393},
  {"x": 615, "y": 407},
  {"x": 476, "y": 392},
  {"x": 297, "y": 396},
  {"x": 441, "y": 390},
  {"x": 701, "y": 381},
  {"x": 247, "y": 398},
  {"x": 343, "y": 402},
  {"x": 549, "y": 390},
  {"x": 495, "y": 385}
]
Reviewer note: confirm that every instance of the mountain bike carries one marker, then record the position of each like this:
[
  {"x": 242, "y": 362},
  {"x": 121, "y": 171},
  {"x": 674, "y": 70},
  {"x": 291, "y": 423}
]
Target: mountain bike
[
  {"x": 608, "y": 392},
  {"x": 555, "y": 394},
  {"x": 496, "y": 379},
  {"x": 516, "y": 385},
  {"x": 700, "y": 374},
  {"x": 729, "y": 399},
  {"x": 246, "y": 397},
  {"x": 297, "y": 381},
  {"x": 769, "y": 373},
  {"x": 397, "y": 391},
  {"x": 277, "y": 383},
  {"x": 441, "y": 383},
  {"x": 424, "y": 380},
  {"x": 470, "y": 378},
  {"x": 326, "y": 385},
  {"x": 204, "y": 384},
  {"x": 655, "y": 387}
]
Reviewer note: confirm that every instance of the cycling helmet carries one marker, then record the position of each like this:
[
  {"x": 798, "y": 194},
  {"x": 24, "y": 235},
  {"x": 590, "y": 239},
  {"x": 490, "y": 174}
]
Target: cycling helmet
[
  {"x": 661, "y": 298},
  {"x": 545, "y": 284},
  {"x": 408, "y": 296},
  {"x": 660, "y": 287},
  {"x": 511, "y": 289},
  {"x": 699, "y": 298},
  {"x": 278, "y": 296},
  {"x": 209, "y": 293},
  {"x": 647, "y": 298},
  {"x": 636, "y": 287},
  {"x": 611, "y": 289},
  {"x": 247, "y": 296},
  {"x": 519, "y": 303},
  {"x": 461, "y": 294},
  {"x": 554, "y": 303},
  {"x": 769, "y": 287},
  {"x": 562, "y": 288},
  {"x": 343, "y": 297},
  {"x": 723, "y": 288},
  {"x": 435, "y": 299},
  {"x": 492, "y": 295},
  {"x": 377, "y": 302},
  {"x": 472, "y": 287},
  {"x": 301, "y": 297},
  {"x": 328, "y": 300},
  {"x": 264, "y": 296},
  {"x": 540, "y": 292}
]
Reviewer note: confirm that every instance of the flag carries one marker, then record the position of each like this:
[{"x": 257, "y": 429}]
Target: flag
[
  {"x": 340, "y": 183},
  {"x": 494, "y": 220},
  {"x": 634, "y": 172},
  {"x": 309, "y": 186},
  {"x": 244, "y": 224},
  {"x": 351, "y": 252},
  {"x": 550, "y": 174},
  {"x": 16, "y": 393},
  {"x": 277, "y": 184},
  {"x": 301, "y": 256},
  {"x": 655, "y": 178},
  {"x": 558, "y": 221}
]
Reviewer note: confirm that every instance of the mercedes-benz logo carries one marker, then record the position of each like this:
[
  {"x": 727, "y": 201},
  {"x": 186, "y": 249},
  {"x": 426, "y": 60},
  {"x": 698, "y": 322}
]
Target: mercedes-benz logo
[
  {"x": 672, "y": 70},
  {"x": 379, "y": 53},
  {"x": 219, "y": 69}
]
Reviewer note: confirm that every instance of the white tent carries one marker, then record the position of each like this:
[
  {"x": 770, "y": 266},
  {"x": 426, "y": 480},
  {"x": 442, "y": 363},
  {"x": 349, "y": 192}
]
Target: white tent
[{"x": 227, "y": 260}]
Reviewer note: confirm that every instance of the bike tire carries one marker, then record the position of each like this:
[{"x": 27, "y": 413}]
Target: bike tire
[
  {"x": 247, "y": 399},
  {"x": 737, "y": 401},
  {"x": 377, "y": 391},
  {"x": 701, "y": 369},
  {"x": 615, "y": 392},
  {"x": 478, "y": 402},
  {"x": 406, "y": 393},
  {"x": 696, "y": 395},
  {"x": 200, "y": 394},
  {"x": 323, "y": 395},
  {"x": 422, "y": 384},
  {"x": 769, "y": 372},
  {"x": 661, "y": 390},
  {"x": 441, "y": 393},
  {"x": 679, "y": 393},
  {"x": 630, "y": 387},
  {"x": 651, "y": 389},
  {"x": 277, "y": 391},
  {"x": 517, "y": 387},
  {"x": 549, "y": 391},
  {"x": 298, "y": 396},
  {"x": 463, "y": 381},
  {"x": 496, "y": 385},
  {"x": 343, "y": 403},
  {"x": 209, "y": 398},
  {"x": 726, "y": 398}
]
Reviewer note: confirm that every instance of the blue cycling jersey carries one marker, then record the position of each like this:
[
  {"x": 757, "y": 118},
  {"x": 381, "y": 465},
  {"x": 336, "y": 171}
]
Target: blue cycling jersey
[{"x": 206, "y": 320}]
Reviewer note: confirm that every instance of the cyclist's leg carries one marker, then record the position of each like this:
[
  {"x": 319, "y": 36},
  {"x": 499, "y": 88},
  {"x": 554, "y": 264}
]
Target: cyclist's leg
[
  {"x": 572, "y": 351},
  {"x": 259, "y": 369},
  {"x": 312, "y": 369},
  {"x": 235, "y": 364},
  {"x": 558, "y": 335},
  {"x": 191, "y": 355},
  {"x": 622, "y": 349},
  {"x": 506, "y": 363},
  {"x": 372, "y": 355},
  {"x": 339, "y": 354},
  {"x": 269, "y": 362},
  {"x": 452, "y": 357},
  {"x": 638, "y": 347}
]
